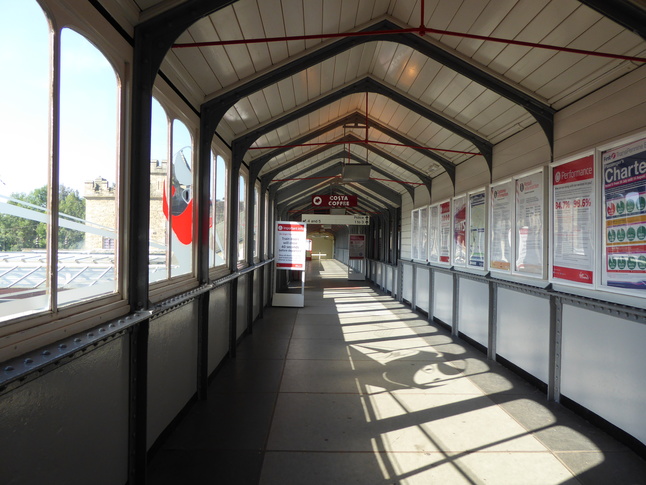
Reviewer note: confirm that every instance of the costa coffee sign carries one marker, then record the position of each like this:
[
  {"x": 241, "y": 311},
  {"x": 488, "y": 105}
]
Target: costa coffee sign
[{"x": 334, "y": 200}]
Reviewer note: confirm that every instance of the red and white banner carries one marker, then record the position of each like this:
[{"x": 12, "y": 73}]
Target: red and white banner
[
  {"x": 357, "y": 246},
  {"x": 290, "y": 245},
  {"x": 335, "y": 200}
]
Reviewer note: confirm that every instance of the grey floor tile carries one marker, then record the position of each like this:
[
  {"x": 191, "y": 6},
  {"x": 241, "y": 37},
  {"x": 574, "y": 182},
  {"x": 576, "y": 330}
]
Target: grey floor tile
[
  {"x": 318, "y": 376},
  {"x": 249, "y": 375},
  {"x": 597, "y": 468}
]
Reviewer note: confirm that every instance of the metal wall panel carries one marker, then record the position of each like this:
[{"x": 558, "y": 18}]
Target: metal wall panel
[
  {"x": 523, "y": 331},
  {"x": 443, "y": 297},
  {"x": 256, "y": 294},
  {"x": 241, "y": 322},
  {"x": 69, "y": 425},
  {"x": 422, "y": 288},
  {"x": 407, "y": 292},
  {"x": 218, "y": 326},
  {"x": 172, "y": 366},
  {"x": 474, "y": 310},
  {"x": 603, "y": 362}
]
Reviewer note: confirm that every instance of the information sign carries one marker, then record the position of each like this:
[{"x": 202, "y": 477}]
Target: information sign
[
  {"x": 477, "y": 216},
  {"x": 624, "y": 191},
  {"x": 357, "y": 246},
  {"x": 445, "y": 232},
  {"x": 529, "y": 224},
  {"x": 290, "y": 245},
  {"x": 351, "y": 219},
  {"x": 434, "y": 234},
  {"x": 573, "y": 221},
  {"x": 459, "y": 231},
  {"x": 335, "y": 200},
  {"x": 501, "y": 213}
]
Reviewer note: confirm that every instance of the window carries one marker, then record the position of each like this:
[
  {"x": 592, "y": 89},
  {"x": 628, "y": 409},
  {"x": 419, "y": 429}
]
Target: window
[
  {"x": 171, "y": 197},
  {"x": 217, "y": 223},
  {"x": 268, "y": 224},
  {"x": 256, "y": 220},
  {"x": 242, "y": 218},
  {"x": 51, "y": 259}
]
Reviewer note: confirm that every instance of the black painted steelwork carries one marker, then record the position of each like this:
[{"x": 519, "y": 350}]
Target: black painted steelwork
[{"x": 629, "y": 14}]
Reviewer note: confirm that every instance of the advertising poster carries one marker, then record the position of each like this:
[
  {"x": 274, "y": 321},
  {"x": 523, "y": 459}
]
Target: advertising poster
[
  {"x": 477, "y": 216},
  {"x": 624, "y": 191},
  {"x": 290, "y": 245},
  {"x": 357, "y": 246},
  {"x": 574, "y": 222},
  {"x": 529, "y": 224},
  {"x": 434, "y": 234},
  {"x": 423, "y": 234},
  {"x": 460, "y": 231},
  {"x": 414, "y": 236},
  {"x": 445, "y": 232},
  {"x": 501, "y": 204}
]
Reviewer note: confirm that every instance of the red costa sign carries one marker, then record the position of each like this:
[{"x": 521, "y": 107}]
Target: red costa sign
[{"x": 334, "y": 200}]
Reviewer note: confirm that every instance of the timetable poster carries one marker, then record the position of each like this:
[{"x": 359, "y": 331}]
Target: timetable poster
[
  {"x": 574, "y": 228},
  {"x": 445, "y": 232},
  {"x": 477, "y": 229},
  {"x": 434, "y": 235},
  {"x": 459, "y": 230},
  {"x": 501, "y": 204},
  {"x": 624, "y": 187},
  {"x": 529, "y": 224}
]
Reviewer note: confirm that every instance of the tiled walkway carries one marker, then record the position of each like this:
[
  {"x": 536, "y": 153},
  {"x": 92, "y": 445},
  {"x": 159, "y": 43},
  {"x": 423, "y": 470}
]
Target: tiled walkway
[{"x": 355, "y": 388}]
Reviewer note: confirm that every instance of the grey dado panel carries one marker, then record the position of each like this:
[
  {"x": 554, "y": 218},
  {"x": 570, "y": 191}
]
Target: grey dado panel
[
  {"x": 69, "y": 425},
  {"x": 602, "y": 367},
  {"x": 172, "y": 366},
  {"x": 241, "y": 322},
  {"x": 523, "y": 331},
  {"x": 422, "y": 289},
  {"x": 408, "y": 282},
  {"x": 256, "y": 294},
  {"x": 218, "y": 326},
  {"x": 474, "y": 310},
  {"x": 443, "y": 297}
]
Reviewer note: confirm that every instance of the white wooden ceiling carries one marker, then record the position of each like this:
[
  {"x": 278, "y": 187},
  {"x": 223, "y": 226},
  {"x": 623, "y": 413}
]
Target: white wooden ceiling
[{"x": 554, "y": 78}]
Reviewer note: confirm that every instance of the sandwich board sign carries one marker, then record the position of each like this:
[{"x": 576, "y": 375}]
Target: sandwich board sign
[{"x": 291, "y": 243}]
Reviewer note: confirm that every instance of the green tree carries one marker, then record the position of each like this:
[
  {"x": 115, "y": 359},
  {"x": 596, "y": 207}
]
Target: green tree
[{"x": 18, "y": 233}]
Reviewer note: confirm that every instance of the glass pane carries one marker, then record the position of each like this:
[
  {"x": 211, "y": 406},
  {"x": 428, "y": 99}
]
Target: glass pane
[
  {"x": 242, "y": 219},
  {"x": 88, "y": 171},
  {"x": 181, "y": 201},
  {"x": 158, "y": 230},
  {"x": 220, "y": 212},
  {"x": 24, "y": 170},
  {"x": 256, "y": 220}
]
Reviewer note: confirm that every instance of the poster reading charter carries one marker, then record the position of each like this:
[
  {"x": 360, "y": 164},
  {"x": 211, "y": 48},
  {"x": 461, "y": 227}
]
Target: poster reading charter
[
  {"x": 624, "y": 192},
  {"x": 573, "y": 221},
  {"x": 529, "y": 224},
  {"x": 501, "y": 206},
  {"x": 477, "y": 217}
]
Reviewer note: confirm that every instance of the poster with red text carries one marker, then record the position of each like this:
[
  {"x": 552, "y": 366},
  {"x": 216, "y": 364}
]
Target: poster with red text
[
  {"x": 529, "y": 224},
  {"x": 460, "y": 231},
  {"x": 290, "y": 245},
  {"x": 501, "y": 214},
  {"x": 573, "y": 221},
  {"x": 357, "y": 246}
]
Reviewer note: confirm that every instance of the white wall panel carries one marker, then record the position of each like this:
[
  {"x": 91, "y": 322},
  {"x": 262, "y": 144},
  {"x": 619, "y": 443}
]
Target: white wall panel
[
  {"x": 521, "y": 152},
  {"x": 603, "y": 362},
  {"x": 218, "y": 326},
  {"x": 523, "y": 331},
  {"x": 443, "y": 297},
  {"x": 172, "y": 367},
  {"x": 471, "y": 174},
  {"x": 422, "y": 288},
  {"x": 442, "y": 188},
  {"x": 69, "y": 425},
  {"x": 474, "y": 310}
]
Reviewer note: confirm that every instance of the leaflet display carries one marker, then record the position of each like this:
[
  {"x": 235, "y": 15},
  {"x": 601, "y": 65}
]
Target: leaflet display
[
  {"x": 573, "y": 221},
  {"x": 459, "y": 231},
  {"x": 501, "y": 212},
  {"x": 445, "y": 232},
  {"x": 529, "y": 224},
  {"x": 624, "y": 192},
  {"x": 477, "y": 216}
]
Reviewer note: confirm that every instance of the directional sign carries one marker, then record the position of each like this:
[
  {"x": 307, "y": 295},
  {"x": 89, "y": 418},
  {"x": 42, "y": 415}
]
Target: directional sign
[{"x": 352, "y": 219}]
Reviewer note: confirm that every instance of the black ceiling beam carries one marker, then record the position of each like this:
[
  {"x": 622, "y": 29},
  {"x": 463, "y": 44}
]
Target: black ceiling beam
[
  {"x": 628, "y": 14},
  {"x": 217, "y": 107}
]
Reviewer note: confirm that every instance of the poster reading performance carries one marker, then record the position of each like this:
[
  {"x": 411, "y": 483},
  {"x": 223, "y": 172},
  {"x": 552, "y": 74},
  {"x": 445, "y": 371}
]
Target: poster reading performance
[
  {"x": 477, "y": 217},
  {"x": 290, "y": 245},
  {"x": 357, "y": 246},
  {"x": 501, "y": 205},
  {"x": 529, "y": 224},
  {"x": 434, "y": 234},
  {"x": 574, "y": 226},
  {"x": 624, "y": 191},
  {"x": 459, "y": 231},
  {"x": 445, "y": 232}
]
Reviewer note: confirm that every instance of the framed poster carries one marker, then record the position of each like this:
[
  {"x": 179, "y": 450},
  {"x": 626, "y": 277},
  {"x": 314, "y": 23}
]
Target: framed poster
[
  {"x": 528, "y": 231},
  {"x": 290, "y": 245},
  {"x": 357, "y": 246},
  {"x": 624, "y": 201},
  {"x": 501, "y": 211},
  {"x": 423, "y": 234},
  {"x": 573, "y": 221},
  {"x": 434, "y": 234},
  {"x": 445, "y": 232},
  {"x": 460, "y": 230},
  {"x": 476, "y": 235}
]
